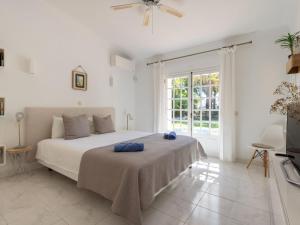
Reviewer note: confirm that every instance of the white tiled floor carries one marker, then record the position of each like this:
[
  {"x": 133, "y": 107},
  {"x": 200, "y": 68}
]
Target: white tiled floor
[{"x": 212, "y": 193}]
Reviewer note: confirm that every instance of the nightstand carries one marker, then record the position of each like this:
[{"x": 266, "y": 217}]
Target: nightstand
[{"x": 18, "y": 157}]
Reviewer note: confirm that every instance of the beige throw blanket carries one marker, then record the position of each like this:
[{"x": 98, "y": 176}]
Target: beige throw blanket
[{"x": 131, "y": 180}]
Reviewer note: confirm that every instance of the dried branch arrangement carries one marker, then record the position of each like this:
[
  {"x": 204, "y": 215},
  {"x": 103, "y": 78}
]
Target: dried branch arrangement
[{"x": 290, "y": 94}]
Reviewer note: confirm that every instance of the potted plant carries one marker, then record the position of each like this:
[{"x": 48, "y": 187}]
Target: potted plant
[{"x": 289, "y": 41}]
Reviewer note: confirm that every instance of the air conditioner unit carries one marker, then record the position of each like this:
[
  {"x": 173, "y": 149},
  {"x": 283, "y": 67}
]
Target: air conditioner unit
[{"x": 122, "y": 63}]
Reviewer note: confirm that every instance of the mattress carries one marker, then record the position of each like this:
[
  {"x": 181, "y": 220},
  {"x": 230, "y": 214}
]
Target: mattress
[{"x": 64, "y": 156}]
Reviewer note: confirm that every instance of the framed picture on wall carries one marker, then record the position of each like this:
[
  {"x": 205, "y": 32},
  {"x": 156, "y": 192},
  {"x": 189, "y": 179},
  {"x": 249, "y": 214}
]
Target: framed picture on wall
[
  {"x": 2, "y": 106},
  {"x": 79, "y": 80}
]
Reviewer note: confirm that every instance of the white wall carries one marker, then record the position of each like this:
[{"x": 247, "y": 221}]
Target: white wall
[
  {"x": 124, "y": 97},
  {"x": 260, "y": 68},
  {"x": 295, "y": 23},
  {"x": 33, "y": 29}
]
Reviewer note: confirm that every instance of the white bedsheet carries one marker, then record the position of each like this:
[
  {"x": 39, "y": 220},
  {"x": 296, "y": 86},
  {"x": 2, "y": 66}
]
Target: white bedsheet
[{"x": 64, "y": 156}]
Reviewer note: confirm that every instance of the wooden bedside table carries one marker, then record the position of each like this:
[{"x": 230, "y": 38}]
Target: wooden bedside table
[{"x": 18, "y": 157}]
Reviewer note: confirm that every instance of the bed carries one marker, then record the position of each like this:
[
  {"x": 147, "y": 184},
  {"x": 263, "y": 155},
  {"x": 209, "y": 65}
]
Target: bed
[
  {"x": 64, "y": 156},
  {"x": 130, "y": 180}
]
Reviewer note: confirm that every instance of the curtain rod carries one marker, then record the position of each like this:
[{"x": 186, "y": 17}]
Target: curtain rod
[{"x": 200, "y": 53}]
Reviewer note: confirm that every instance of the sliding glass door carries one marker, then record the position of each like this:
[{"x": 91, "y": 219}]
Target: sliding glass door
[{"x": 193, "y": 104}]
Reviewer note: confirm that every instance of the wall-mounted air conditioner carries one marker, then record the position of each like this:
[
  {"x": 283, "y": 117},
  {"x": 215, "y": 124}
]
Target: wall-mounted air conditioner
[{"x": 122, "y": 63}]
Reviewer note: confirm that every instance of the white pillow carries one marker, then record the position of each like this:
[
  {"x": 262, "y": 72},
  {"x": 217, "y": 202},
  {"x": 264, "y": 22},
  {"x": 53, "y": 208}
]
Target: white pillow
[{"x": 58, "y": 129}]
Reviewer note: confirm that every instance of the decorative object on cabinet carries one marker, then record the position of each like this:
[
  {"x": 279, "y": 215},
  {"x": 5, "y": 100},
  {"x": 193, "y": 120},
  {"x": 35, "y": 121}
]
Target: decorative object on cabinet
[
  {"x": 79, "y": 79},
  {"x": 290, "y": 93},
  {"x": 2, "y": 58},
  {"x": 291, "y": 42},
  {"x": 18, "y": 157},
  {"x": 288, "y": 41},
  {"x": 19, "y": 118},
  {"x": 293, "y": 65},
  {"x": 2, "y": 155},
  {"x": 2, "y": 106}
]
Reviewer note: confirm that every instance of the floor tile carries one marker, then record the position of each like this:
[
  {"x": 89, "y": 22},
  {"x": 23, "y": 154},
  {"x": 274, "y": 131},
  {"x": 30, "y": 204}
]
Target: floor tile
[
  {"x": 114, "y": 220},
  {"x": 154, "y": 217},
  {"x": 223, "y": 190},
  {"x": 188, "y": 194},
  {"x": 84, "y": 212},
  {"x": 151, "y": 217},
  {"x": 212, "y": 192},
  {"x": 188, "y": 189},
  {"x": 216, "y": 204},
  {"x": 173, "y": 206},
  {"x": 2, "y": 221},
  {"x": 249, "y": 215},
  {"x": 60, "y": 222},
  {"x": 30, "y": 216},
  {"x": 202, "y": 216},
  {"x": 259, "y": 201}
]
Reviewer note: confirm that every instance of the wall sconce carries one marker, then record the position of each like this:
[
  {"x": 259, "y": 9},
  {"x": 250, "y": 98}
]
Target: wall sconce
[
  {"x": 2, "y": 106},
  {"x": 129, "y": 117},
  {"x": 32, "y": 66}
]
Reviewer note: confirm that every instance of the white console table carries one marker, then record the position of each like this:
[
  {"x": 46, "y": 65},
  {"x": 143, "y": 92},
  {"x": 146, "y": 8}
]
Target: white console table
[{"x": 285, "y": 197}]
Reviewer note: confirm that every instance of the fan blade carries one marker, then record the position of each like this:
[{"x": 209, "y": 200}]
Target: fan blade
[
  {"x": 147, "y": 17},
  {"x": 170, "y": 10},
  {"x": 125, "y": 6}
]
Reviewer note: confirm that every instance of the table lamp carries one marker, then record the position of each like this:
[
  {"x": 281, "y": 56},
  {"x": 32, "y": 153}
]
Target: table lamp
[{"x": 19, "y": 118}]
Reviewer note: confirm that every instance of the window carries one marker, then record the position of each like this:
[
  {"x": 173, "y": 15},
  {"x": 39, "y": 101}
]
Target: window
[{"x": 194, "y": 103}]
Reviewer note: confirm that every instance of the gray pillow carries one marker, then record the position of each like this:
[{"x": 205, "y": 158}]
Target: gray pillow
[
  {"x": 103, "y": 124},
  {"x": 76, "y": 127}
]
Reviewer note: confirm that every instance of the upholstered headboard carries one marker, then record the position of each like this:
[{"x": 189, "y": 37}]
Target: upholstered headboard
[{"x": 38, "y": 121}]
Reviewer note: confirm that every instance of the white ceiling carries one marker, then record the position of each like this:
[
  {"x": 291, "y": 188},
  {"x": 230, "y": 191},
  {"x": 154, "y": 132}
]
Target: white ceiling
[{"x": 203, "y": 21}]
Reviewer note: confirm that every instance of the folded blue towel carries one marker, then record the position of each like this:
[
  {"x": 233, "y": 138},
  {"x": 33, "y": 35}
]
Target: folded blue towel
[
  {"x": 170, "y": 136},
  {"x": 129, "y": 147}
]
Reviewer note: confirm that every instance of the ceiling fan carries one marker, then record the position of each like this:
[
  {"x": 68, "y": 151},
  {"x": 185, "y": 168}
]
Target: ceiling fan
[{"x": 150, "y": 4}]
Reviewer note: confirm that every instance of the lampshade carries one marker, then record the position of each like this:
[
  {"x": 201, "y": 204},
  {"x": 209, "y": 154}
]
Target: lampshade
[{"x": 19, "y": 116}]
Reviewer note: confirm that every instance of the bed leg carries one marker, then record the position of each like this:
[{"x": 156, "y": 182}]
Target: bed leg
[{"x": 50, "y": 170}]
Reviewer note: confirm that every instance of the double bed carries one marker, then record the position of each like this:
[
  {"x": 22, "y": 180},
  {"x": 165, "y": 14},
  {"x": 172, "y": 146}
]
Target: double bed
[
  {"x": 64, "y": 156},
  {"x": 130, "y": 180}
]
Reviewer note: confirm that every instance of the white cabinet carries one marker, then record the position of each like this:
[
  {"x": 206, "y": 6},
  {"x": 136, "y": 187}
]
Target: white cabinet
[{"x": 285, "y": 197}]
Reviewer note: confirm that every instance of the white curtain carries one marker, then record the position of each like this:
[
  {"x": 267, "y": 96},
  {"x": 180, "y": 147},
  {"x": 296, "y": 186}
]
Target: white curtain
[
  {"x": 228, "y": 105},
  {"x": 160, "y": 97}
]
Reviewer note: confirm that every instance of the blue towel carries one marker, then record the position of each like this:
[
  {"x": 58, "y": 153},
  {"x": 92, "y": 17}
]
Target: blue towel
[
  {"x": 129, "y": 147},
  {"x": 170, "y": 136}
]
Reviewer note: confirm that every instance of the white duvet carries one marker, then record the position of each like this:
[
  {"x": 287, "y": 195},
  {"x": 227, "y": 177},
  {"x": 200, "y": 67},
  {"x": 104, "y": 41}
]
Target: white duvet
[{"x": 64, "y": 156}]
